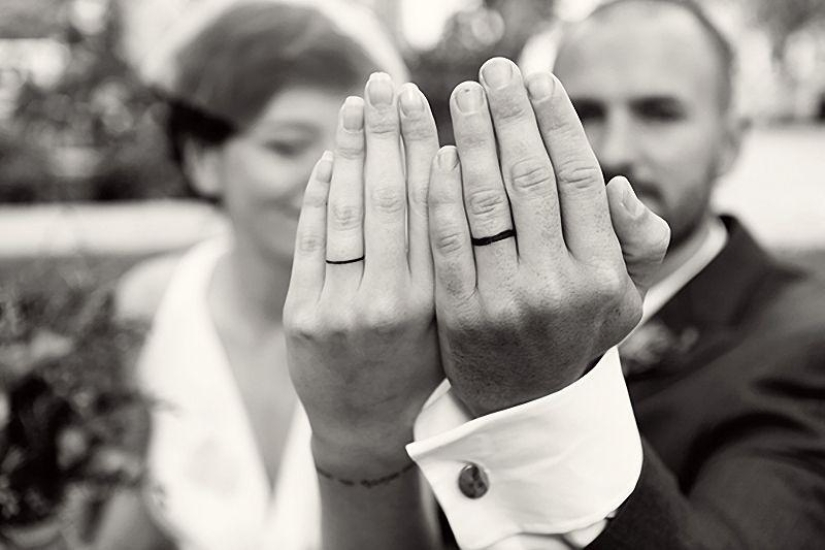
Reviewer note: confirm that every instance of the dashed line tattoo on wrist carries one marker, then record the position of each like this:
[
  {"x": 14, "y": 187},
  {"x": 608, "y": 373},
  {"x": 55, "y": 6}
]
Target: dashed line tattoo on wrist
[{"x": 366, "y": 483}]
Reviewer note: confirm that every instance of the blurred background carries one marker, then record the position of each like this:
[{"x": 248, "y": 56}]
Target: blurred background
[
  {"x": 85, "y": 181},
  {"x": 87, "y": 187}
]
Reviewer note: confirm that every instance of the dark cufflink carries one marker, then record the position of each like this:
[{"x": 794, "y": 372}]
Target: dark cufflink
[{"x": 473, "y": 482}]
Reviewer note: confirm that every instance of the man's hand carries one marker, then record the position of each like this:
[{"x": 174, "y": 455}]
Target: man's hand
[
  {"x": 359, "y": 316},
  {"x": 531, "y": 282}
]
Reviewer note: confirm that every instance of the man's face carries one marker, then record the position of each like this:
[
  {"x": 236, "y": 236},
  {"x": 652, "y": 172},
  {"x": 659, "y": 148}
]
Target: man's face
[{"x": 647, "y": 88}]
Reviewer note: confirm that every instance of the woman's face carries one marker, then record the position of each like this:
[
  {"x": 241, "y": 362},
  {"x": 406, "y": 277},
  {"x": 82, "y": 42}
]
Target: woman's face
[{"x": 263, "y": 171}]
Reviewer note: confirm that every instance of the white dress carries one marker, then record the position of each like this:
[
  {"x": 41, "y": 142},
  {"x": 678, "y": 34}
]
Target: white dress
[{"x": 207, "y": 483}]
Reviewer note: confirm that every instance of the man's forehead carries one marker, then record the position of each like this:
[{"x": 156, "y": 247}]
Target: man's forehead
[
  {"x": 643, "y": 45},
  {"x": 634, "y": 14}
]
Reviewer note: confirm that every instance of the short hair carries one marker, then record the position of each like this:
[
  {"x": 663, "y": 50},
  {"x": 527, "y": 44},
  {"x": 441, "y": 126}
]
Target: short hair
[
  {"x": 719, "y": 42},
  {"x": 225, "y": 76}
]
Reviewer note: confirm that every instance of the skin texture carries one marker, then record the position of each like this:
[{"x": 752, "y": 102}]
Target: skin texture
[{"x": 654, "y": 114}]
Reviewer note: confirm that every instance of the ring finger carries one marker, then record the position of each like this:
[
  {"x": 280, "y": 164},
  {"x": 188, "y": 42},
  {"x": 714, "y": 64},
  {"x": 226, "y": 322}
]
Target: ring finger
[
  {"x": 485, "y": 199},
  {"x": 345, "y": 211}
]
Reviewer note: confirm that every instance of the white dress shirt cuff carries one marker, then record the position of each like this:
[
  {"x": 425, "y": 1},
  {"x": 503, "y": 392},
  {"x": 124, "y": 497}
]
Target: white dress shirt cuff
[{"x": 551, "y": 466}]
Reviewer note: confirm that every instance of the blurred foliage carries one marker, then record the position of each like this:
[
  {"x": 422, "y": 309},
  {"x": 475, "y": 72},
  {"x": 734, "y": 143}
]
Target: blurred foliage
[
  {"x": 96, "y": 134},
  {"x": 31, "y": 18},
  {"x": 97, "y": 126},
  {"x": 24, "y": 174},
  {"x": 783, "y": 18},
  {"x": 73, "y": 422}
]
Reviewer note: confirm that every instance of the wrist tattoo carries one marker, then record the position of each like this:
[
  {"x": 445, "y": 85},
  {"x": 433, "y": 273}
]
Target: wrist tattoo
[{"x": 366, "y": 483}]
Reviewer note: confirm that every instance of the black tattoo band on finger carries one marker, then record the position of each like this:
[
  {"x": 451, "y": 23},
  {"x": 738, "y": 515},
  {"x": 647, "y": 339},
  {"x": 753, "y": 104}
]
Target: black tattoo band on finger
[
  {"x": 366, "y": 483},
  {"x": 342, "y": 262},
  {"x": 484, "y": 241}
]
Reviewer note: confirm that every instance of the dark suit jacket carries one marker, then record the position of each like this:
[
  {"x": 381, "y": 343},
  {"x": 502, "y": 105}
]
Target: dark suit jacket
[{"x": 731, "y": 412}]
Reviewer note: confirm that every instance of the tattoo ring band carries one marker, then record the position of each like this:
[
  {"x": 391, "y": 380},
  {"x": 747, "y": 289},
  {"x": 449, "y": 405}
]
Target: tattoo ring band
[
  {"x": 343, "y": 262},
  {"x": 484, "y": 241}
]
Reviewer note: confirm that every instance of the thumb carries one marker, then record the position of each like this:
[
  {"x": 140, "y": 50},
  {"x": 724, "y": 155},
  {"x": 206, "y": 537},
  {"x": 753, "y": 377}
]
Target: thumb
[{"x": 643, "y": 235}]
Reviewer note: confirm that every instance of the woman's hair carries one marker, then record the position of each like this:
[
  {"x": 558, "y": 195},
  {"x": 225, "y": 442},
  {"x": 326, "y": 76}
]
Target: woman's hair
[{"x": 226, "y": 75}]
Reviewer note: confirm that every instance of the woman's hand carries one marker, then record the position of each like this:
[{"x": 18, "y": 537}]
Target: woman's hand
[{"x": 359, "y": 316}]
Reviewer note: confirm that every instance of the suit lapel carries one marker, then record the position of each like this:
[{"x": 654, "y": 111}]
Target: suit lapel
[{"x": 700, "y": 321}]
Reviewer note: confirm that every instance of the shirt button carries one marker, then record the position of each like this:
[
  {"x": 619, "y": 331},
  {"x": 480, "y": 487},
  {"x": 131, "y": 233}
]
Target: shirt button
[{"x": 473, "y": 481}]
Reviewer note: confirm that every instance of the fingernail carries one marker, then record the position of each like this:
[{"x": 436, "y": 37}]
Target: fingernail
[
  {"x": 353, "y": 114},
  {"x": 631, "y": 202},
  {"x": 379, "y": 89},
  {"x": 447, "y": 158},
  {"x": 469, "y": 99},
  {"x": 411, "y": 101},
  {"x": 540, "y": 86},
  {"x": 497, "y": 73}
]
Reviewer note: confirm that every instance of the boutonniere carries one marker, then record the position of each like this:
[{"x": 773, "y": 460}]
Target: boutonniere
[{"x": 654, "y": 343}]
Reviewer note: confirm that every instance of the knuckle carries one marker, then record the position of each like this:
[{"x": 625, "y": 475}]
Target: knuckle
[
  {"x": 579, "y": 175},
  {"x": 457, "y": 286},
  {"x": 664, "y": 241},
  {"x": 449, "y": 240},
  {"x": 471, "y": 137},
  {"x": 389, "y": 200},
  {"x": 418, "y": 130},
  {"x": 506, "y": 313},
  {"x": 300, "y": 324},
  {"x": 509, "y": 108},
  {"x": 309, "y": 243},
  {"x": 547, "y": 300},
  {"x": 345, "y": 216},
  {"x": 385, "y": 124},
  {"x": 531, "y": 173},
  {"x": 553, "y": 120},
  {"x": 438, "y": 197},
  {"x": 383, "y": 315},
  {"x": 610, "y": 284},
  {"x": 419, "y": 195},
  {"x": 468, "y": 318},
  {"x": 634, "y": 312},
  {"x": 315, "y": 199},
  {"x": 350, "y": 147},
  {"x": 487, "y": 203},
  {"x": 334, "y": 325},
  {"x": 652, "y": 244},
  {"x": 656, "y": 248}
]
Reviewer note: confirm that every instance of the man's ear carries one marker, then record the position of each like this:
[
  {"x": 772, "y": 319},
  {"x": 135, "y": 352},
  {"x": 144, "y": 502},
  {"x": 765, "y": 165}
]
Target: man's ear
[
  {"x": 201, "y": 164},
  {"x": 733, "y": 134}
]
